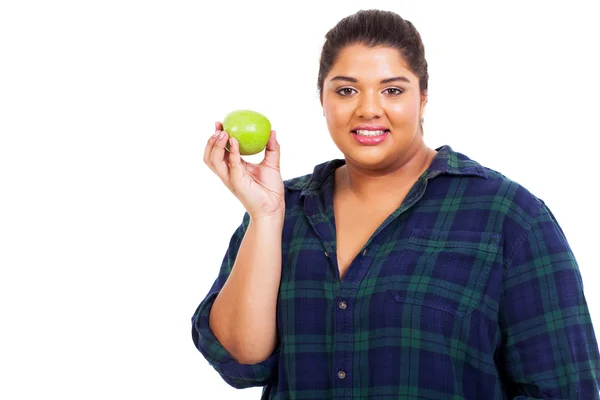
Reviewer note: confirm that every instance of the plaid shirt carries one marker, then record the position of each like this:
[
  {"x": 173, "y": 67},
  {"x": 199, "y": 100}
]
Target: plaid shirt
[{"x": 469, "y": 290}]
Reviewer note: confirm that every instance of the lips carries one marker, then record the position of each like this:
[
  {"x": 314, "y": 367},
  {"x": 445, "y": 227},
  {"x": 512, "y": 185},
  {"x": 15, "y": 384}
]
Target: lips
[{"x": 372, "y": 138}]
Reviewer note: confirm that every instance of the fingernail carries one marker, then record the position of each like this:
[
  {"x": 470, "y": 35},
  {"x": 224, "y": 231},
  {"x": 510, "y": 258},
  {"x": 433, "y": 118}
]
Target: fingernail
[
  {"x": 217, "y": 133},
  {"x": 222, "y": 135}
]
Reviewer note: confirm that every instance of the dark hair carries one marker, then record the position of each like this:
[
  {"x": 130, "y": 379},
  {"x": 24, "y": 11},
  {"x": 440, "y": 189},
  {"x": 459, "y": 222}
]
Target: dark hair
[{"x": 375, "y": 28}]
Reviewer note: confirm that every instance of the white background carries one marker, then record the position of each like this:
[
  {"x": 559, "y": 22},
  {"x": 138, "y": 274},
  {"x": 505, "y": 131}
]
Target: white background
[{"x": 111, "y": 227}]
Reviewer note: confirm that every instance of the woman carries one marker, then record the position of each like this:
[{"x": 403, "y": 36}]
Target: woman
[{"x": 400, "y": 271}]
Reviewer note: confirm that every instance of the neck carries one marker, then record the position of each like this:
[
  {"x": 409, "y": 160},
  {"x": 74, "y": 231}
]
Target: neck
[{"x": 367, "y": 185}]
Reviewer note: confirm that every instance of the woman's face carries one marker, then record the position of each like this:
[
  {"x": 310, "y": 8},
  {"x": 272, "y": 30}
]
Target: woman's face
[{"x": 373, "y": 106}]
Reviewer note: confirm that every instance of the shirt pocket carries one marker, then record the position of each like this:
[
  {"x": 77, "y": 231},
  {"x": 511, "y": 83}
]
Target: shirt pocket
[{"x": 445, "y": 270}]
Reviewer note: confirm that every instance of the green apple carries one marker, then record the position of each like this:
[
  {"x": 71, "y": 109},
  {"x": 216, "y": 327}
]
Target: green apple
[{"x": 251, "y": 129}]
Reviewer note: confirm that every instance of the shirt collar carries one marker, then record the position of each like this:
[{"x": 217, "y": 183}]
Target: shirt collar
[
  {"x": 446, "y": 162},
  {"x": 450, "y": 162}
]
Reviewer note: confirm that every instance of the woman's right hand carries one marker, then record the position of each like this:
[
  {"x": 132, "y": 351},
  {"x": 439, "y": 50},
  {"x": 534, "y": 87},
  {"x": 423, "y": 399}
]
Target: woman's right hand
[{"x": 259, "y": 187}]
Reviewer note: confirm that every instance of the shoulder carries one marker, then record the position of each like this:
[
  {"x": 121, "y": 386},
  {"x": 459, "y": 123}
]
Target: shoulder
[
  {"x": 503, "y": 193},
  {"x": 482, "y": 197},
  {"x": 510, "y": 194},
  {"x": 499, "y": 202}
]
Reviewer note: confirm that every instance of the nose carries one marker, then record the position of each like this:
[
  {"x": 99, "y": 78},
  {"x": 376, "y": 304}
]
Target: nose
[{"x": 369, "y": 105}]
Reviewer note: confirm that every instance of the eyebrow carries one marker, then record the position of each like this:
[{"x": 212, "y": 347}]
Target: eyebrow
[{"x": 388, "y": 80}]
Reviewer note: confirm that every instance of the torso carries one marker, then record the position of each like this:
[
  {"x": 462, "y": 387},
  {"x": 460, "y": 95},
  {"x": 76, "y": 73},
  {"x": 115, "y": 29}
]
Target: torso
[
  {"x": 355, "y": 223},
  {"x": 353, "y": 228}
]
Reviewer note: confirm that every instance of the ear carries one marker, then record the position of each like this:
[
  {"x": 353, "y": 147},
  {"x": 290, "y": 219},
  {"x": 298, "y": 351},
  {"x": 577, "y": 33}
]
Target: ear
[{"x": 423, "y": 103}]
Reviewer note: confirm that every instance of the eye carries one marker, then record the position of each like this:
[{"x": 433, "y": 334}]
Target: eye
[
  {"x": 393, "y": 91},
  {"x": 345, "y": 91}
]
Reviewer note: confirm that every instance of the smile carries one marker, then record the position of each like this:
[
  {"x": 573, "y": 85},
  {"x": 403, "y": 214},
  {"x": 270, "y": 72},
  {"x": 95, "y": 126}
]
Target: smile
[
  {"x": 370, "y": 133},
  {"x": 370, "y": 137}
]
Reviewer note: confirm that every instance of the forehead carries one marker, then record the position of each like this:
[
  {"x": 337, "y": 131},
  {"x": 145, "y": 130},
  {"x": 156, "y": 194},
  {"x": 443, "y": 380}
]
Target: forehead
[{"x": 358, "y": 60}]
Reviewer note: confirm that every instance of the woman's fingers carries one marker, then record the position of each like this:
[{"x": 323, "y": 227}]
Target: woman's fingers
[
  {"x": 217, "y": 157},
  {"x": 209, "y": 148},
  {"x": 236, "y": 167},
  {"x": 211, "y": 143}
]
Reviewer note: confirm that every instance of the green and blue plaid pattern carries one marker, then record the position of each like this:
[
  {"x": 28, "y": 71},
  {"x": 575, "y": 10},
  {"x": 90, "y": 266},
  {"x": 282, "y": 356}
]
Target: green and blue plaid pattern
[{"x": 469, "y": 290}]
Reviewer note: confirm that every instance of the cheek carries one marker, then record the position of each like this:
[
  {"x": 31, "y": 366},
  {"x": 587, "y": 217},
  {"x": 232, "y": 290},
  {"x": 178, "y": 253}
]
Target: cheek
[
  {"x": 405, "y": 111},
  {"x": 337, "y": 115}
]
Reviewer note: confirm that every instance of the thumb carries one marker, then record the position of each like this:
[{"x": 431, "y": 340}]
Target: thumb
[{"x": 272, "y": 153}]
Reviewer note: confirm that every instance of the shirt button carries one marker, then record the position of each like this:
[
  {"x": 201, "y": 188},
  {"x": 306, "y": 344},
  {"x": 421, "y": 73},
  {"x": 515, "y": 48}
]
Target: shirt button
[
  {"x": 341, "y": 374},
  {"x": 342, "y": 305}
]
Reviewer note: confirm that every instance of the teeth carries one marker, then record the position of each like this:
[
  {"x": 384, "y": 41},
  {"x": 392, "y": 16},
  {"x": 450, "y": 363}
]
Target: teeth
[{"x": 369, "y": 133}]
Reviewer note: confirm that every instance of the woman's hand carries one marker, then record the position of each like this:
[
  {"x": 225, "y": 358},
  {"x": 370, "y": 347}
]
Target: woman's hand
[{"x": 259, "y": 187}]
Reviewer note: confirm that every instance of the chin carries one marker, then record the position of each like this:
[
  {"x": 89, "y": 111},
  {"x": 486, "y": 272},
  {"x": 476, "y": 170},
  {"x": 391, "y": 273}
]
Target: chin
[{"x": 370, "y": 158}]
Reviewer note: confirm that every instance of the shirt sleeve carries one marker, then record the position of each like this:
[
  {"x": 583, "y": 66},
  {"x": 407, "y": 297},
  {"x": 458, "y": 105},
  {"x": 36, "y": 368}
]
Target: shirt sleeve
[
  {"x": 549, "y": 347},
  {"x": 234, "y": 373}
]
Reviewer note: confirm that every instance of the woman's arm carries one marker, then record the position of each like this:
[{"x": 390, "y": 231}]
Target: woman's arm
[
  {"x": 237, "y": 374},
  {"x": 549, "y": 346},
  {"x": 243, "y": 316}
]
